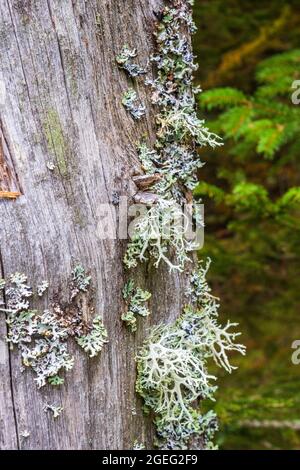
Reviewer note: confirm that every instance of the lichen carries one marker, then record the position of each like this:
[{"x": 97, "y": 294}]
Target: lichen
[
  {"x": 55, "y": 409},
  {"x": 135, "y": 298},
  {"x": 80, "y": 282},
  {"x": 179, "y": 134},
  {"x": 130, "y": 103},
  {"x": 41, "y": 288},
  {"x": 173, "y": 363},
  {"x": 160, "y": 228},
  {"x": 172, "y": 369},
  {"x": 138, "y": 446},
  {"x": 124, "y": 60},
  {"x": 55, "y": 380},
  {"x": 56, "y": 140},
  {"x": 93, "y": 342},
  {"x": 41, "y": 336}
]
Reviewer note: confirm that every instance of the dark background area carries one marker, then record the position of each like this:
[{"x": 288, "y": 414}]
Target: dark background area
[{"x": 250, "y": 188}]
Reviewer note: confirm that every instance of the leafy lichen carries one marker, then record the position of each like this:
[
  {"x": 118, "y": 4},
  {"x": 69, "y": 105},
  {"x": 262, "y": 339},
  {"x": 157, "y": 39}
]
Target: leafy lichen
[
  {"x": 135, "y": 298},
  {"x": 172, "y": 368},
  {"x": 56, "y": 140},
  {"x": 80, "y": 282},
  {"x": 131, "y": 104},
  {"x": 41, "y": 288},
  {"x": 124, "y": 60},
  {"x": 180, "y": 132}
]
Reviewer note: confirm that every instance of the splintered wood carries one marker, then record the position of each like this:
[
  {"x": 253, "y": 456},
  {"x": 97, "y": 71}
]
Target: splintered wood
[{"x": 8, "y": 180}]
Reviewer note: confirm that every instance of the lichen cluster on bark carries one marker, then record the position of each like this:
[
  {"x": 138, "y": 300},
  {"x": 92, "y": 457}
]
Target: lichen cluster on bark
[{"x": 172, "y": 365}]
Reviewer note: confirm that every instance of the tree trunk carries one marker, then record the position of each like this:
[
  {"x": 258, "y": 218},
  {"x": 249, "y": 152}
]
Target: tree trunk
[{"x": 62, "y": 107}]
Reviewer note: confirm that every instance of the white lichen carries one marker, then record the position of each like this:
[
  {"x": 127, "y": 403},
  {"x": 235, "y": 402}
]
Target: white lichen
[
  {"x": 41, "y": 336},
  {"x": 80, "y": 282},
  {"x": 138, "y": 445}
]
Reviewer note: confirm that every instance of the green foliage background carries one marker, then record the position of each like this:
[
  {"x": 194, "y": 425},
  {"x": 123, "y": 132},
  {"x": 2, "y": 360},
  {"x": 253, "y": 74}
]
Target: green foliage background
[{"x": 249, "y": 56}]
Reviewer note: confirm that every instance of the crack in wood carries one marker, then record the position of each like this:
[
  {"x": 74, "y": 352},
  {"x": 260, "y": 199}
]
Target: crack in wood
[{"x": 2, "y": 274}]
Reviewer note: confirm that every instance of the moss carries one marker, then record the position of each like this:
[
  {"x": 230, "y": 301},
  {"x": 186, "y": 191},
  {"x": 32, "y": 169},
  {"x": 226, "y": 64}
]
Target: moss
[{"x": 56, "y": 141}]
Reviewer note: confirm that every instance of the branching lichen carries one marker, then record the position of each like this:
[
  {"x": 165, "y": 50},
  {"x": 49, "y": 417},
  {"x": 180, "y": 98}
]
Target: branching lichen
[
  {"x": 160, "y": 228},
  {"x": 135, "y": 299},
  {"x": 41, "y": 288},
  {"x": 130, "y": 103},
  {"x": 172, "y": 365}
]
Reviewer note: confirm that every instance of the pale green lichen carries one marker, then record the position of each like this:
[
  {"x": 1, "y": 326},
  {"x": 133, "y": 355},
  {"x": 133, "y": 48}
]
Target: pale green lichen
[
  {"x": 172, "y": 365},
  {"x": 80, "y": 282},
  {"x": 135, "y": 298},
  {"x": 131, "y": 104},
  {"x": 172, "y": 369},
  {"x": 42, "y": 336},
  {"x": 124, "y": 60},
  {"x": 55, "y": 409}
]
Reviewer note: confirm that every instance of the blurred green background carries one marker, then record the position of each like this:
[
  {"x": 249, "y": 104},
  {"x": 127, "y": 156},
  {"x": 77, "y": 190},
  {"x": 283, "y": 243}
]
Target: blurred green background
[{"x": 249, "y": 55}]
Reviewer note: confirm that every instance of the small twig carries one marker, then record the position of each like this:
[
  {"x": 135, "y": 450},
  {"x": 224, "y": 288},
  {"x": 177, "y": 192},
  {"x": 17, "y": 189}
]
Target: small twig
[{"x": 9, "y": 194}]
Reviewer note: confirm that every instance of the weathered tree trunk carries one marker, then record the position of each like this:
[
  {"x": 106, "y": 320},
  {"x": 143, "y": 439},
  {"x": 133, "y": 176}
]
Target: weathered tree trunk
[{"x": 63, "y": 106}]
